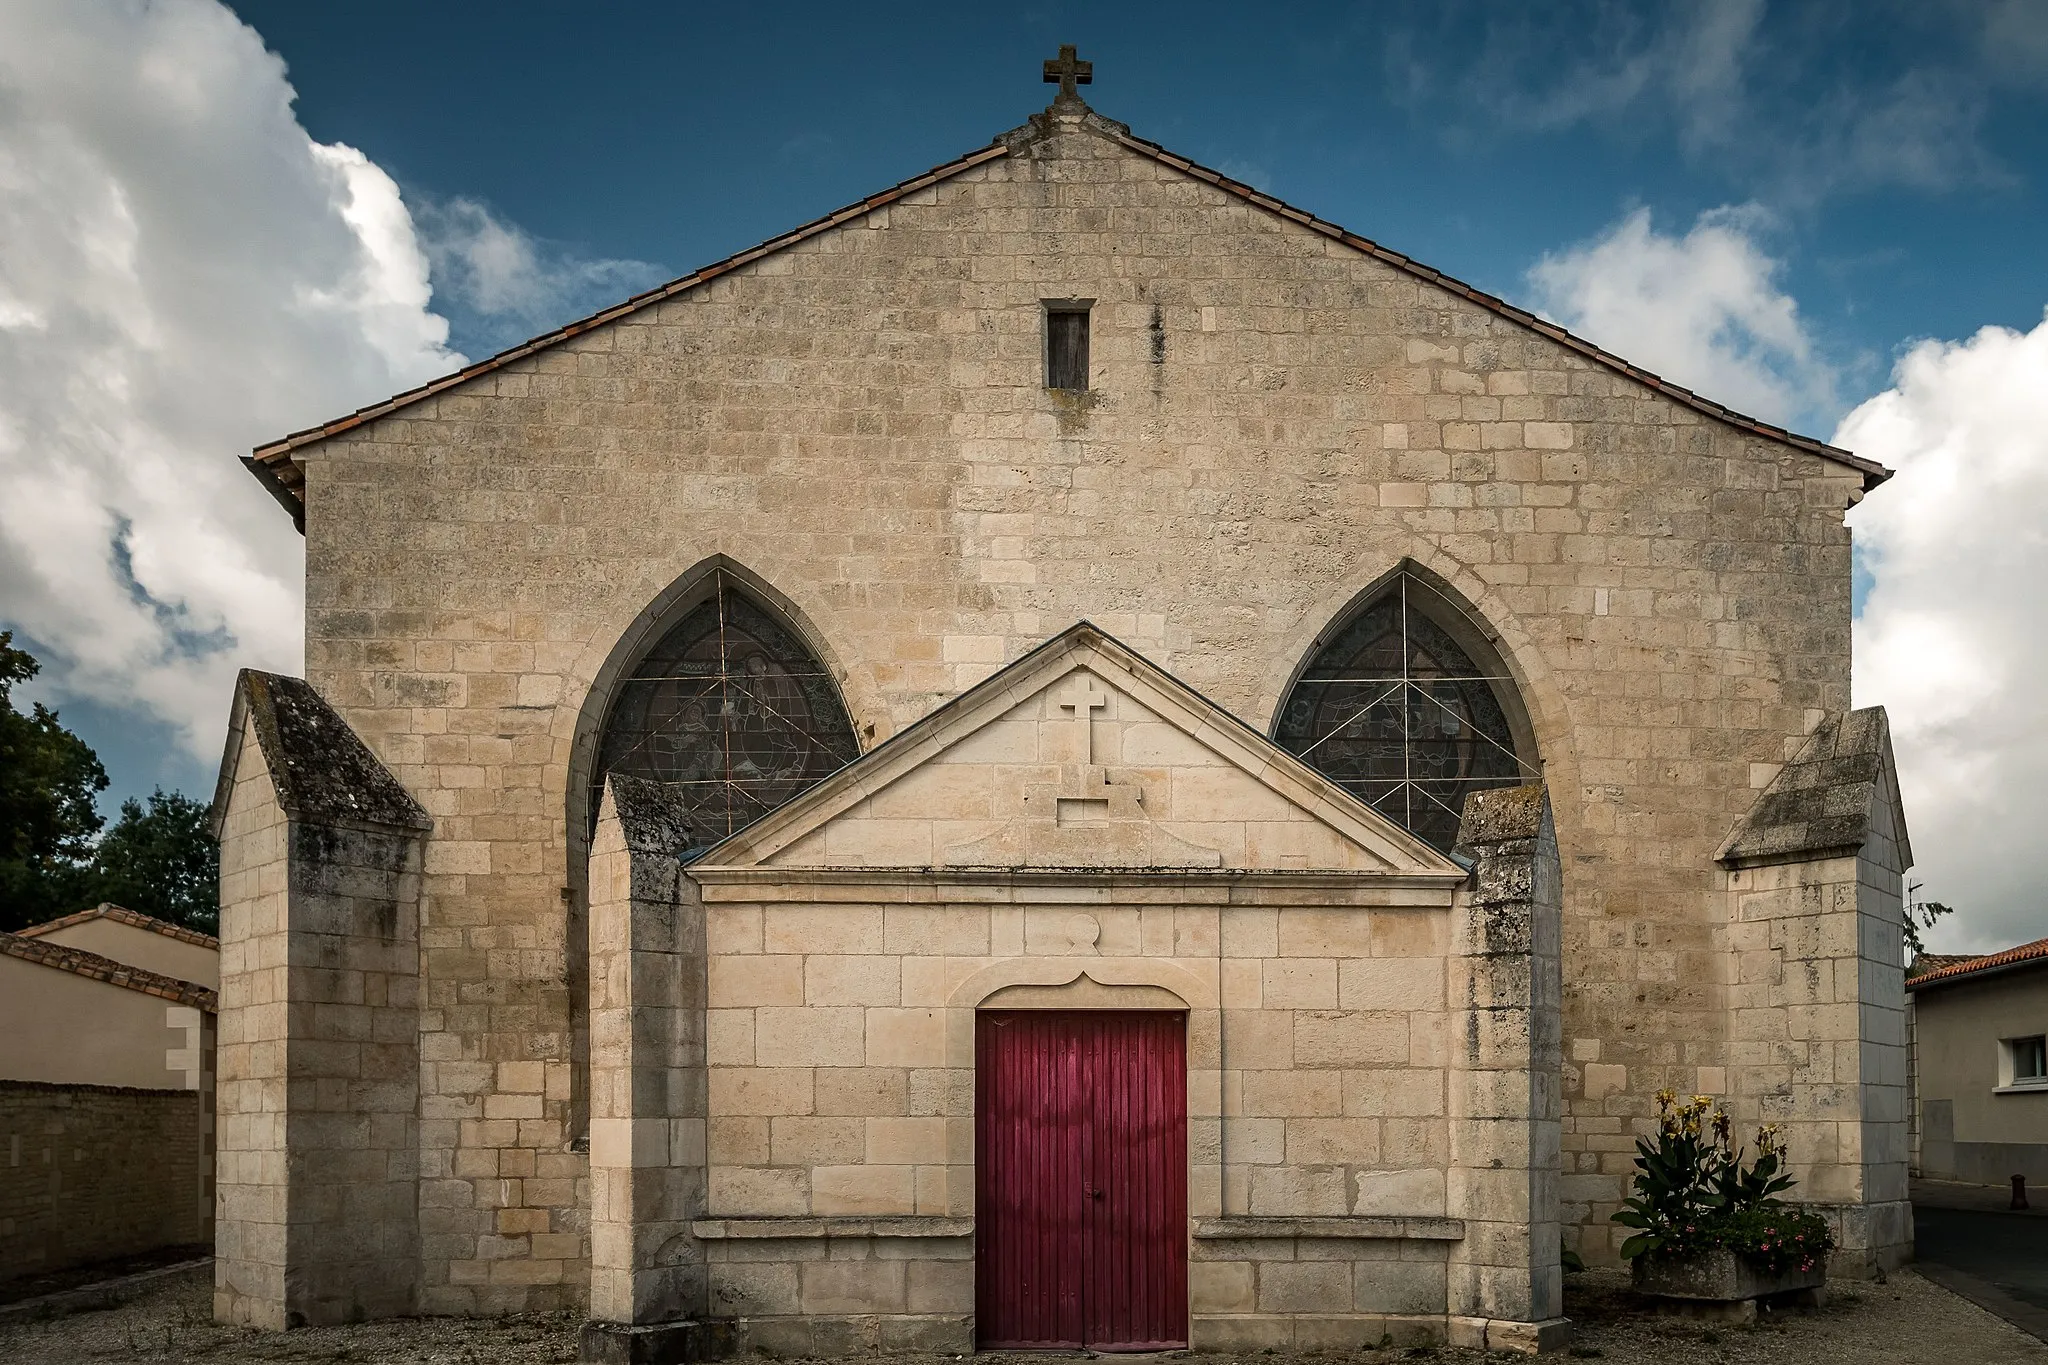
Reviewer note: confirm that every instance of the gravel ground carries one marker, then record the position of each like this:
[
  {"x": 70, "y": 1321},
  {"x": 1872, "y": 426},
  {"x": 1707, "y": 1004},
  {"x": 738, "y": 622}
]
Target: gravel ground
[{"x": 1905, "y": 1322}]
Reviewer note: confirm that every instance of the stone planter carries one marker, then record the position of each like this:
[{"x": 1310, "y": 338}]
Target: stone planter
[{"x": 1719, "y": 1276}]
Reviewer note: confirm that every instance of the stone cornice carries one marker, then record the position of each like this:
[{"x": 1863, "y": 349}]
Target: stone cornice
[
  {"x": 1377, "y": 1228},
  {"x": 774, "y": 1229},
  {"x": 1086, "y": 886}
]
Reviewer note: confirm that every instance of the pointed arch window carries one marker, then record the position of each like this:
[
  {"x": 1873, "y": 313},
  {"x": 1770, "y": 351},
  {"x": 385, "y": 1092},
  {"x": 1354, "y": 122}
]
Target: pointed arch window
[
  {"x": 1405, "y": 705},
  {"x": 730, "y": 708}
]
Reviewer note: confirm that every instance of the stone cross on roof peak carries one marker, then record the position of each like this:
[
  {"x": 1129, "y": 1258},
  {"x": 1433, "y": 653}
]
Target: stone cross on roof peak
[{"x": 1068, "y": 71}]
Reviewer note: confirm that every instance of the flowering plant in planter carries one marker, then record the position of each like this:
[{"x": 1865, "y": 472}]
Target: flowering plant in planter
[
  {"x": 1778, "y": 1239},
  {"x": 1694, "y": 1194}
]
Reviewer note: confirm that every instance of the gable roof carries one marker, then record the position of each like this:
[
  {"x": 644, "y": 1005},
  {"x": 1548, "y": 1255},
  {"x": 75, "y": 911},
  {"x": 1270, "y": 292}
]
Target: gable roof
[
  {"x": 1086, "y": 645},
  {"x": 274, "y": 466},
  {"x": 1970, "y": 968},
  {"x": 323, "y": 772},
  {"x": 121, "y": 914},
  {"x": 1923, "y": 963},
  {"x": 1821, "y": 804},
  {"x": 92, "y": 966}
]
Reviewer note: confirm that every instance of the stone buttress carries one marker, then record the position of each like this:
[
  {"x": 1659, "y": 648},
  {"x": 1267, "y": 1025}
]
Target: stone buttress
[
  {"x": 318, "y": 1057},
  {"x": 1815, "y": 875}
]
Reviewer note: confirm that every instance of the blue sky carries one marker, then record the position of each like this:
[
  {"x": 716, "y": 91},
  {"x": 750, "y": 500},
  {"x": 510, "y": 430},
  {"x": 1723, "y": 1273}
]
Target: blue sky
[
  {"x": 1904, "y": 174},
  {"x": 225, "y": 223}
]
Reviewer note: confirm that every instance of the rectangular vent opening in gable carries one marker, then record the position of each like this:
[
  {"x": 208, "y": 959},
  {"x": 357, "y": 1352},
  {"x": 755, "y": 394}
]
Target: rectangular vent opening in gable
[{"x": 1066, "y": 343}]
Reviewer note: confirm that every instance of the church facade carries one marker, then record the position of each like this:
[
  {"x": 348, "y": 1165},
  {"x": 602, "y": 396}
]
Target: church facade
[{"x": 1069, "y": 755}]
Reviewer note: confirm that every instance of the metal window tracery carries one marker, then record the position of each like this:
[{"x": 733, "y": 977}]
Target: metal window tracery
[
  {"x": 730, "y": 709},
  {"x": 1393, "y": 709}
]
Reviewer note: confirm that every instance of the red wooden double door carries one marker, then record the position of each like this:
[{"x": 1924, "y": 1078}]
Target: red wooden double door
[{"x": 1081, "y": 1180}]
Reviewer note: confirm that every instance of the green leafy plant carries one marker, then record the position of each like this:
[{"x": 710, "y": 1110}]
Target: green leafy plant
[
  {"x": 1738, "y": 1187},
  {"x": 1676, "y": 1194},
  {"x": 1692, "y": 1192}
]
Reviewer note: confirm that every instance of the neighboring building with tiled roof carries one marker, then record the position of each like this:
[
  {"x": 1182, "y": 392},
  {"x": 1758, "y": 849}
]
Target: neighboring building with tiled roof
[
  {"x": 1979, "y": 1027},
  {"x": 94, "y": 967},
  {"x": 121, "y": 914},
  {"x": 75, "y": 1017},
  {"x": 137, "y": 939},
  {"x": 1950, "y": 969},
  {"x": 106, "y": 1086},
  {"x": 1923, "y": 963}
]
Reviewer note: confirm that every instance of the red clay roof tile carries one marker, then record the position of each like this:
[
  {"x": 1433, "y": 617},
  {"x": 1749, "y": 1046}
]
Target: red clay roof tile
[
  {"x": 121, "y": 914},
  {"x": 91, "y": 965},
  {"x": 1971, "y": 966}
]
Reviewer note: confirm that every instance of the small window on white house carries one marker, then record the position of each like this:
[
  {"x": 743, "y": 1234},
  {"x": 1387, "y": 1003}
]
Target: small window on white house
[
  {"x": 2025, "y": 1061},
  {"x": 1066, "y": 343}
]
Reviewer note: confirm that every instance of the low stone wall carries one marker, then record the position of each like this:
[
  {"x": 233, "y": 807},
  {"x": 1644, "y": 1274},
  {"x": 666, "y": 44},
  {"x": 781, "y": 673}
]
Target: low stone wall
[{"x": 92, "y": 1172}]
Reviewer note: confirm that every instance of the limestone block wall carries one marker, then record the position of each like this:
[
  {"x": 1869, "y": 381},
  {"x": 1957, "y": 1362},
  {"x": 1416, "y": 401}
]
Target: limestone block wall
[
  {"x": 1880, "y": 1221},
  {"x": 1819, "y": 1043},
  {"x": 1820, "y": 1039},
  {"x": 842, "y": 1087},
  {"x": 352, "y": 1074},
  {"x": 1505, "y": 1102},
  {"x": 1816, "y": 892},
  {"x": 647, "y": 1029},
  {"x": 249, "y": 1189},
  {"x": 318, "y": 1043},
  {"x": 1275, "y": 420},
  {"x": 841, "y": 1046}
]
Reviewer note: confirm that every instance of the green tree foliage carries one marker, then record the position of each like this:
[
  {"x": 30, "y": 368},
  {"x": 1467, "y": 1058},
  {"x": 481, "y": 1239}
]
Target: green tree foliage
[
  {"x": 1920, "y": 914},
  {"x": 48, "y": 779},
  {"x": 162, "y": 861},
  {"x": 159, "y": 859}
]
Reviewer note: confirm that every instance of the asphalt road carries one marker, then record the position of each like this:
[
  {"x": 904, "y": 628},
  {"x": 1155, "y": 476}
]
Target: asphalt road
[{"x": 2008, "y": 1251}]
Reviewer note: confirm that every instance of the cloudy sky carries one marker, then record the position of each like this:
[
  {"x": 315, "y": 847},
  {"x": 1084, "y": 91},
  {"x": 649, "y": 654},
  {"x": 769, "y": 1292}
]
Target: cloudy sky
[{"x": 219, "y": 223}]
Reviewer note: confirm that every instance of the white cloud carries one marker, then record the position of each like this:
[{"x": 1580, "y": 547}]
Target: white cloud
[
  {"x": 1692, "y": 62},
  {"x": 1754, "y": 91},
  {"x": 1953, "y": 639},
  {"x": 509, "y": 285},
  {"x": 184, "y": 273},
  {"x": 1703, "y": 310}
]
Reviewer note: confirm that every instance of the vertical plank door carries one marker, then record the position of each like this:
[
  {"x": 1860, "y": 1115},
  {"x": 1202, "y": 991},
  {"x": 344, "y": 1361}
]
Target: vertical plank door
[
  {"x": 1031, "y": 1139},
  {"x": 1081, "y": 1174}
]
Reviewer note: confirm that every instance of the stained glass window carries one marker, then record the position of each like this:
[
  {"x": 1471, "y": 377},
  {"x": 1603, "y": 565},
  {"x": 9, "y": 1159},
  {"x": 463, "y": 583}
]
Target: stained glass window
[
  {"x": 732, "y": 710},
  {"x": 1395, "y": 710}
]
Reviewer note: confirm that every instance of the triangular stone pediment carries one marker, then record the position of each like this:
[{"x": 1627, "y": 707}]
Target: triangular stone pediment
[{"x": 1081, "y": 755}]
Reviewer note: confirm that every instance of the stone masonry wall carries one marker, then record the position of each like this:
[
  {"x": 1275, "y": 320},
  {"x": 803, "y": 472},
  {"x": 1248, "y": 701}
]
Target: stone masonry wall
[
  {"x": 842, "y": 1088},
  {"x": 1275, "y": 421},
  {"x": 1819, "y": 1036},
  {"x": 249, "y": 1255},
  {"x": 647, "y": 1062},
  {"x": 92, "y": 1172},
  {"x": 352, "y": 1074},
  {"x": 1504, "y": 1101},
  {"x": 318, "y": 1055}
]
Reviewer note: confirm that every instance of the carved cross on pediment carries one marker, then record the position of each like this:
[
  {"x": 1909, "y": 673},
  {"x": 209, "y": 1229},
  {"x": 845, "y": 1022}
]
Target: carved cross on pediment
[
  {"x": 1083, "y": 700},
  {"x": 1089, "y": 813}
]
